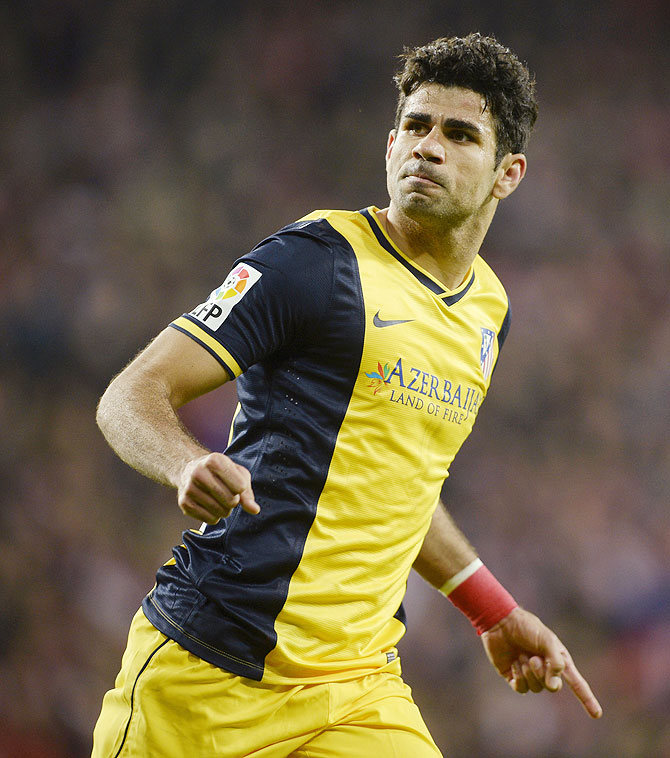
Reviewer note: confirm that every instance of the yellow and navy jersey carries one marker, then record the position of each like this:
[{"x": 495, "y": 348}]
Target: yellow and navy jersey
[{"x": 360, "y": 377}]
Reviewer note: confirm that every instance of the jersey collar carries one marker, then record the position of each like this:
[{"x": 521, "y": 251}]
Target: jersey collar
[{"x": 449, "y": 297}]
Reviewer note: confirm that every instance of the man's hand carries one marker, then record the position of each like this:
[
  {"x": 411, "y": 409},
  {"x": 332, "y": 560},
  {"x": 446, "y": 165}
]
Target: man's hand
[
  {"x": 212, "y": 485},
  {"x": 531, "y": 657}
]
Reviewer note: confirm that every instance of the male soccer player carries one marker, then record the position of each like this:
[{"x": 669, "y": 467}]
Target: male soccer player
[{"x": 364, "y": 344}]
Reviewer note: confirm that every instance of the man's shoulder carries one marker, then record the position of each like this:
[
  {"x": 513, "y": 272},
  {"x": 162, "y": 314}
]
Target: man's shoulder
[
  {"x": 326, "y": 215},
  {"x": 325, "y": 224},
  {"x": 322, "y": 230},
  {"x": 306, "y": 247}
]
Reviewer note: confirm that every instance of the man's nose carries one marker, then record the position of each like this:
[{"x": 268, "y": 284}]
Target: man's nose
[{"x": 430, "y": 148}]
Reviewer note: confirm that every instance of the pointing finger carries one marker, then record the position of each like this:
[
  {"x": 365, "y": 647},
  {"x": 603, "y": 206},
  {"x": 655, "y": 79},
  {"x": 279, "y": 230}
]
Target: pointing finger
[{"x": 581, "y": 688}]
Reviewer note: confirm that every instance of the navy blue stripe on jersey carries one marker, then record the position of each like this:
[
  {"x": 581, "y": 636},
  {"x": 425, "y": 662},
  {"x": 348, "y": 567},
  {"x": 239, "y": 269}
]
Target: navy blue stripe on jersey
[
  {"x": 425, "y": 280},
  {"x": 502, "y": 332},
  {"x": 221, "y": 596},
  {"x": 504, "y": 329},
  {"x": 400, "y": 615},
  {"x": 452, "y": 299}
]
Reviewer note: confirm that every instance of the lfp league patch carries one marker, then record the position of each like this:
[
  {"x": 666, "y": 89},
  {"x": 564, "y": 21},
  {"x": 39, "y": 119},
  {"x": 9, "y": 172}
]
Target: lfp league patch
[
  {"x": 486, "y": 354},
  {"x": 223, "y": 299}
]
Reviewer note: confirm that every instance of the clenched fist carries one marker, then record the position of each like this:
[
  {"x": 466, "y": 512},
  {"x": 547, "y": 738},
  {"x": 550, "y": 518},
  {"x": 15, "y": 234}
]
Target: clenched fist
[{"x": 212, "y": 485}]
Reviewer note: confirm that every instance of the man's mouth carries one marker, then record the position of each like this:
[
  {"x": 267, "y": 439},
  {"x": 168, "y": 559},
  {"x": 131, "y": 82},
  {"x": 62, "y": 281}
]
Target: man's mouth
[{"x": 422, "y": 176}]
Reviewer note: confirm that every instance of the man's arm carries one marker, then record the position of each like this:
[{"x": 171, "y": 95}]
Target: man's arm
[
  {"x": 445, "y": 550},
  {"x": 521, "y": 648},
  {"x": 137, "y": 415}
]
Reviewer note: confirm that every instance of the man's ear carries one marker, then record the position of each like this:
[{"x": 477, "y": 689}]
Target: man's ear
[
  {"x": 510, "y": 172},
  {"x": 389, "y": 144}
]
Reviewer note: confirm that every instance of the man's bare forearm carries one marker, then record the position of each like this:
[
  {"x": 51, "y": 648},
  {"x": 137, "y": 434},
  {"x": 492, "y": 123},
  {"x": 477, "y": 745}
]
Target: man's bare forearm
[
  {"x": 445, "y": 550},
  {"x": 141, "y": 425}
]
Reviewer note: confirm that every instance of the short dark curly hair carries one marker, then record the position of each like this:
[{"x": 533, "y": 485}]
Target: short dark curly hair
[{"x": 483, "y": 65}]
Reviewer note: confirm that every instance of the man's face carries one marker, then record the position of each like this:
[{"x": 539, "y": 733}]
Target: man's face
[{"x": 440, "y": 162}]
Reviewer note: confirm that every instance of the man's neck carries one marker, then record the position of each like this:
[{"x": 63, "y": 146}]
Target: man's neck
[{"x": 447, "y": 254}]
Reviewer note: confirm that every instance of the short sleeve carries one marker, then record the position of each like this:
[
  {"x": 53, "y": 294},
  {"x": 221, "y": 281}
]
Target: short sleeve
[{"x": 275, "y": 295}]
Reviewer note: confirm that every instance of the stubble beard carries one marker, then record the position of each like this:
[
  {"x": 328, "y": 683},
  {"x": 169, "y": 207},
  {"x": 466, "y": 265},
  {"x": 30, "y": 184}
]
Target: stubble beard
[{"x": 432, "y": 213}]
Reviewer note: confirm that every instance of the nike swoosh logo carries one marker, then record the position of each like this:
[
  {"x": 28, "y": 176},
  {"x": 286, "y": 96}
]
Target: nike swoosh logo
[{"x": 379, "y": 322}]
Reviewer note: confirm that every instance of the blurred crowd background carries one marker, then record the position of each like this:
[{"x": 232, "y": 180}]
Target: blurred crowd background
[{"x": 144, "y": 145}]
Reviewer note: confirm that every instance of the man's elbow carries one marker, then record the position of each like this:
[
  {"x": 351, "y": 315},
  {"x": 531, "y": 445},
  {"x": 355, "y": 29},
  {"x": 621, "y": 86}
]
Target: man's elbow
[
  {"x": 116, "y": 399},
  {"x": 107, "y": 405}
]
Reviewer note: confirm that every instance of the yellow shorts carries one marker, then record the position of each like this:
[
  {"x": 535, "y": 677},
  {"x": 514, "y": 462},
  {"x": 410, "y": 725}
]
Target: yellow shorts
[{"x": 168, "y": 703}]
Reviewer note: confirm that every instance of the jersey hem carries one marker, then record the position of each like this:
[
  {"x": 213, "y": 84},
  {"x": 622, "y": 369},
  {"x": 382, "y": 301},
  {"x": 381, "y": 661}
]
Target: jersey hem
[
  {"x": 167, "y": 626},
  {"x": 159, "y": 618}
]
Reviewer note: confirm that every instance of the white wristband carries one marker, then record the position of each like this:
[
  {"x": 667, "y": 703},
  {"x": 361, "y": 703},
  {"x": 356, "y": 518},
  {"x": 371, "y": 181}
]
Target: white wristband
[{"x": 450, "y": 585}]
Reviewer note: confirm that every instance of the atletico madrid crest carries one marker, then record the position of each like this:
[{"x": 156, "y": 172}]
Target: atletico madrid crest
[{"x": 486, "y": 354}]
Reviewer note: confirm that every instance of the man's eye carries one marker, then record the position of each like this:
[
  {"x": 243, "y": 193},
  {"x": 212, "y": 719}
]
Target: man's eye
[
  {"x": 459, "y": 136},
  {"x": 417, "y": 128}
]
